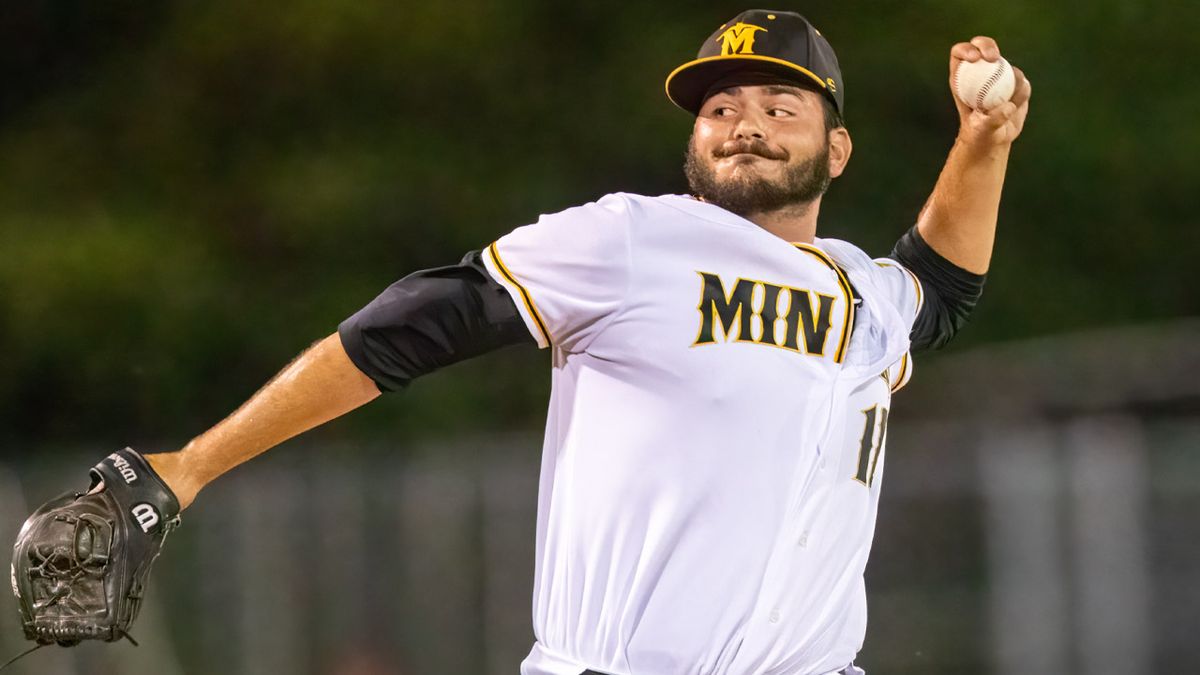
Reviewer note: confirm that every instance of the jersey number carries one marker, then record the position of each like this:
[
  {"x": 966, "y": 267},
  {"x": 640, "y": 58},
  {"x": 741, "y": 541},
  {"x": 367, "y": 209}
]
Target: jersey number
[{"x": 872, "y": 441}]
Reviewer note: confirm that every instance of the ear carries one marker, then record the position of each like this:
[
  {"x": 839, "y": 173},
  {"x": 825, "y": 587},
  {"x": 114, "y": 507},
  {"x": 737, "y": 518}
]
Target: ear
[{"x": 840, "y": 148}]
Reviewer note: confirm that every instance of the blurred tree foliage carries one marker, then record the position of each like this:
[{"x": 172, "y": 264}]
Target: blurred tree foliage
[{"x": 191, "y": 193}]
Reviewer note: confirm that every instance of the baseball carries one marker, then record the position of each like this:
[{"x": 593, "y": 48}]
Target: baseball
[{"x": 983, "y": 85}]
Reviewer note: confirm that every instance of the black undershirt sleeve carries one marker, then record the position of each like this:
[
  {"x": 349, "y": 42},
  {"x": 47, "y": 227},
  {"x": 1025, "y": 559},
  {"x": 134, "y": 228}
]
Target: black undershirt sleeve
[
  {"x": 430, "y": 319},
  {"x": 950, "y": 291}
]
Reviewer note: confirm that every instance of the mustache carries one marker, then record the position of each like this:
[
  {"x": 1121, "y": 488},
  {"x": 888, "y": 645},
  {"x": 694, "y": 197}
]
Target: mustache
[{"x": 753, "y": 146}]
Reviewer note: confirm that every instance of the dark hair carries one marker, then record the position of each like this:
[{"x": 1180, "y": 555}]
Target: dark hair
[{"x": 833, "y": 119}]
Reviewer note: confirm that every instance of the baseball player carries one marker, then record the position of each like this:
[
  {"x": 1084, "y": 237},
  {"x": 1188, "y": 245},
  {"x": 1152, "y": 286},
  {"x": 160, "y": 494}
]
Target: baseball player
[{"x": 722, "y": 377}]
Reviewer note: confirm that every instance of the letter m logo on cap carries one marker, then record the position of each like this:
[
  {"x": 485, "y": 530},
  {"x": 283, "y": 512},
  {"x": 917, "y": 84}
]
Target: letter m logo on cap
[{"x": 739, "y": 39}]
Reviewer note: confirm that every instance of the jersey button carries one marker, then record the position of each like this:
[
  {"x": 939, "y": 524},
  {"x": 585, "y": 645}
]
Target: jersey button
[{"x": 774, "y": 618}]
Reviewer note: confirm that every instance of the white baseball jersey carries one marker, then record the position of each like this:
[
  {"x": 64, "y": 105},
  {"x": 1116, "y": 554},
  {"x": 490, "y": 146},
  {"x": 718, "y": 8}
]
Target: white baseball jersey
[{"x": 714, "y": 442}]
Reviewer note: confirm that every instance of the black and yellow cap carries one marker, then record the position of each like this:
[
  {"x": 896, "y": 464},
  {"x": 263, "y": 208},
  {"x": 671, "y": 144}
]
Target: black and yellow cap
[{"x": 759, "y": 45}]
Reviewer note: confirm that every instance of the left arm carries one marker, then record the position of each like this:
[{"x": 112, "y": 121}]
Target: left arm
[
  {"x": 959, "y": 219},
  {"x": 950, "y": 247}
]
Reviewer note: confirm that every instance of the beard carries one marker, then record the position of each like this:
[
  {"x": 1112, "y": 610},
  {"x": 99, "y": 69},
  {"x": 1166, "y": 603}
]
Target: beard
[{"x": 745, "y": 194}]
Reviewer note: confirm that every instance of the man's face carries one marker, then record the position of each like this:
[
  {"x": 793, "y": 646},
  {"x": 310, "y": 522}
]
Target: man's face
[{"x": 760, "y": 148}]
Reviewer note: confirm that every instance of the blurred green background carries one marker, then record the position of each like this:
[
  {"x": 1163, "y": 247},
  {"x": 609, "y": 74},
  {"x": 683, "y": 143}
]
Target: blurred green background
[{"x": 192, "y": 193}]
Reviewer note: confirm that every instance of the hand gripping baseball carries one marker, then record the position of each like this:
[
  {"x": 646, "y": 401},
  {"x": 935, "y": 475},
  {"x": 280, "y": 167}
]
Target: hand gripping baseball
[
  {"x": 1001, "y": 124},
  {"x": 81, "y": 561}
]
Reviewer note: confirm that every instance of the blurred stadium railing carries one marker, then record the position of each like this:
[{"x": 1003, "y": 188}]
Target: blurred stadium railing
[{"x": 1038, "y": 517}]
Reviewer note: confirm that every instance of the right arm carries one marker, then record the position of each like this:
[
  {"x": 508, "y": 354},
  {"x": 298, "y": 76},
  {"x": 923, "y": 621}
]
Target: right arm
[
  {"x": 321, "y": 384},
  {"x": 423, "y": 322},
  {"x": 575, "y": 263}
]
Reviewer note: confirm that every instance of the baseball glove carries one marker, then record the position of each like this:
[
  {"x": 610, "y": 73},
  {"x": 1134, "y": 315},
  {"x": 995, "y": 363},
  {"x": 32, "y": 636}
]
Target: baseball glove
[{"x": 81, "y": 561}]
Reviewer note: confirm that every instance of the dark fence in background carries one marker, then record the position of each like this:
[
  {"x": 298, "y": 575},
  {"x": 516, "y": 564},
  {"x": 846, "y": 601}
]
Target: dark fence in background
[{"x": 1038, "y": 517}]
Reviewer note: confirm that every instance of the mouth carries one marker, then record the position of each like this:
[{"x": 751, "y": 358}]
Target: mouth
[
  {"x": 743, "y": 155},
  {"x": 745, "y": 161},
  {"x": 745, "y": 152}
]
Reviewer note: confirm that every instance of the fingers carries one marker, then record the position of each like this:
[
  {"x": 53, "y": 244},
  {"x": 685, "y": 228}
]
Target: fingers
[
  {"x": 1004, "y": 122},
  {"x": 995, "y": 118},
  {"x": 980, "y": 47},
  {"x": 1001, "y": 114},
  {"x": 987, "y": 47},
  {"x": 963, "y": 51},
  {"x": 1023, "y": 89},
  {"x": 1000, "y": 124}
]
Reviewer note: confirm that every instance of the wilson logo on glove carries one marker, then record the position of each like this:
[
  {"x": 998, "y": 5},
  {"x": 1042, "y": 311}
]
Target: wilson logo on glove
[
  {"x": 123, "y": 467},
  {"x": 146, "y": 516}
]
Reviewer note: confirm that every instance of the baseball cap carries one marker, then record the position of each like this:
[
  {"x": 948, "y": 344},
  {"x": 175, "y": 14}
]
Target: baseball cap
[{"x": 758, "y": 46}]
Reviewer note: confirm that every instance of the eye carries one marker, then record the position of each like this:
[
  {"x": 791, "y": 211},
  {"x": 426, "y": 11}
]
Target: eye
[
  {"x": 722, "y": 111},
  {"x": 780, "y": 112}
]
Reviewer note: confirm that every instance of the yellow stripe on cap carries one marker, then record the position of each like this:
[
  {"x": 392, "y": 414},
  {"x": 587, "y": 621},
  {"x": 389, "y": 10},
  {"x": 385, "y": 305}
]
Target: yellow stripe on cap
[{"x": 746, "y": 57}]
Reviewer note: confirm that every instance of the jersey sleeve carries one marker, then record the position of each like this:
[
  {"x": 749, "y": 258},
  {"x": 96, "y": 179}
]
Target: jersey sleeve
[
  {"x": 888, "y": 280},
  {"x": 899, "y": 373},
  {"x": 568, "y": 273},
  {"x": 902, "y": 286}
]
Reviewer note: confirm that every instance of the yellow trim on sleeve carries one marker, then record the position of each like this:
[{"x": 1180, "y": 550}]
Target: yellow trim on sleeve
[
  {"x": 528, "y": 299},
  {"x": 844, "y": 282},
  {"x": 903, "y": 371},
  {"x": 917, "y": 284},
  {"x": 912, "y": 277}
]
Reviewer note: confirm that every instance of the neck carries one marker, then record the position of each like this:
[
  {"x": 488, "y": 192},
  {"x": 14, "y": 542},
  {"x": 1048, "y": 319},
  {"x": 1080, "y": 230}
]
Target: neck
[{"x": 795, "y": 223}]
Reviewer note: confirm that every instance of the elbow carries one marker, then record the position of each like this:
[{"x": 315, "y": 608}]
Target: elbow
[
  {"x": 945, "y": 327},
  {"x": 946, "y": 310}
]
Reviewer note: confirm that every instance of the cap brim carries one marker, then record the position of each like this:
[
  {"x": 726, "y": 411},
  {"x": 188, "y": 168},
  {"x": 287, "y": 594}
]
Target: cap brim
[{"x": 687, "y": 84}]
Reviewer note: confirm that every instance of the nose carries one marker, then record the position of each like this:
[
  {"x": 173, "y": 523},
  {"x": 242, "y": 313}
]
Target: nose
[{"x": 749, "y": 125}]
